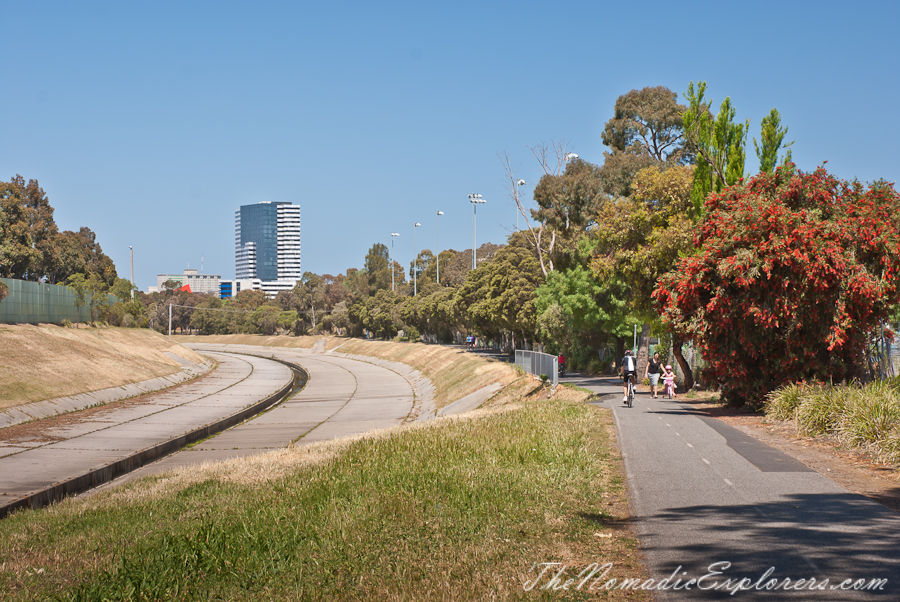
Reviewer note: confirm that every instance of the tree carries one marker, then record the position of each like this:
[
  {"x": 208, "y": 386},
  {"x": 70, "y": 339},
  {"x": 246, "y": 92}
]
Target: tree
[
  {"x": 576, "y": 309},
  {"x": 638, "y": 239},
  {"x": 718, "y": 141},
  {"x": 498, "y": 296},
  {"x": 18, "y": 257},
  {"x": 4, "y": 291},
  {"x": 377, "y": 267},
  {"x": 122, "y": 289},
  {"x": 309, "y": 294},
  {"x": 646, "y": 128},
  {"x": 772, "y": 136},
  {"x": 793, "y": 271},
  {"x": 90, "y": 291}
]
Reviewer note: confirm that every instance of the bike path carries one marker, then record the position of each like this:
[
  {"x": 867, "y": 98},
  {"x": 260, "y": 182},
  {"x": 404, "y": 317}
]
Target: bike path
[
  {"x": 708, "y": 498},
  {"x": 55, "y": 453}
]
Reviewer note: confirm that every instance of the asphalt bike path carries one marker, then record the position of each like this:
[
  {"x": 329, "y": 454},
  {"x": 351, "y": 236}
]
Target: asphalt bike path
[
  {"x": 32, "y": 463},
  {"x": 715, "y": 505}
]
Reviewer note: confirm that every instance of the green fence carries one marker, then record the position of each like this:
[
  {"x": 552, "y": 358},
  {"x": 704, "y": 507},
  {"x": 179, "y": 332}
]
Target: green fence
[{"x": 35, "y": 302}]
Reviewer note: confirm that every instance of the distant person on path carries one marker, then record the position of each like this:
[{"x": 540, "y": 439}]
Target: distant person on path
[
  {"x": 669, "y": 379},
  {"x": 654, "y": 368},
  {"x": 561, "y": 363},
  {"x": 628, "y": 368}
]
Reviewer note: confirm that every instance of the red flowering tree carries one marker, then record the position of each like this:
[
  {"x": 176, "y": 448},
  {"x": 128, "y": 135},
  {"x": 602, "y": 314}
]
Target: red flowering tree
[{"x": 792, "y": 272}]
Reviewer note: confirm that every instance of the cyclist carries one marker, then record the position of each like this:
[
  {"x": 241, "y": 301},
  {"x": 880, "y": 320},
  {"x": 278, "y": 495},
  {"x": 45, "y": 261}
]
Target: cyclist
[{"x": 628, "y": 368}]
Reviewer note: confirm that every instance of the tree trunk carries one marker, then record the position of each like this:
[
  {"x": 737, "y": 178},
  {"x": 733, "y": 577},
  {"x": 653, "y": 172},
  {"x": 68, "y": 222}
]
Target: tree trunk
[
  {"x": 620, "y": 353},
  {"x": 677, "y": 342},
  {"x": 643, "y": 351}
]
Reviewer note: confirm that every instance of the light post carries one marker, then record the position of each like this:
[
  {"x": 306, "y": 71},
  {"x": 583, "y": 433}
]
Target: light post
[
  {"x": 475, "y": 199},
  {"x": 415, "y": 262},
  {"x": 391, "y": 259},
  {"x": 437, "y": 241},
  {"x": 519, "y": 182},
  {"x": 130, "y": 248}
]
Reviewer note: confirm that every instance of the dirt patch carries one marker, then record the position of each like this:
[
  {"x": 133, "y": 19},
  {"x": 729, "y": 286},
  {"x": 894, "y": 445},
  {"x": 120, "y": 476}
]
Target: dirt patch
[
  {"x": 852, "y": 469},
  {"x": 47, "y": 361}
]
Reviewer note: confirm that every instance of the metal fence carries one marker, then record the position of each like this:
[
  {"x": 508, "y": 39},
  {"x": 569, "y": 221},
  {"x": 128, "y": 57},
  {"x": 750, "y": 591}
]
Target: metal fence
[
  {"x": 539, "y": 363},
  {"x": 36, "y": 302}
]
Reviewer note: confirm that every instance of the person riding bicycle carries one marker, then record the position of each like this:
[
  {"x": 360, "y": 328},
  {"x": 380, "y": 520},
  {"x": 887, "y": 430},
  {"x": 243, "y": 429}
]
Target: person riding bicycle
[{"x": 628, "y": 368}]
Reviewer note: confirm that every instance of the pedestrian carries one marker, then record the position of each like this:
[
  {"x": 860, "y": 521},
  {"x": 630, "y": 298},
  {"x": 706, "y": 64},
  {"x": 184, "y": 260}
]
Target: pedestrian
[
  {"x": 654, "y": 368},
  {"x": 628, "y": 368},
  {"x": 669, "y": 380}
]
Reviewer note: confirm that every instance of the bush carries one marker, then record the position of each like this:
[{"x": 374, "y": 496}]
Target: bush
[{"x": 792, "y": 271}]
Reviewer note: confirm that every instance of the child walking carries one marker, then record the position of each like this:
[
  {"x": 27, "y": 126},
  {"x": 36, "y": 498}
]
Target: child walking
[{"x": 669, "y": 380}]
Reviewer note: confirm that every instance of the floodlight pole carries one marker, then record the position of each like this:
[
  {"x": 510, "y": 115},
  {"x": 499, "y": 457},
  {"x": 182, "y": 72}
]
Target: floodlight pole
[
  {"x": 132, "y": 271},
  {"x": 393, "y": 234},
  {"x": 415, "y": 261},
  {"x": 170, "y": 320},
  {"x": 475, "y": 199},
  {"x": 438, "y": 245}
]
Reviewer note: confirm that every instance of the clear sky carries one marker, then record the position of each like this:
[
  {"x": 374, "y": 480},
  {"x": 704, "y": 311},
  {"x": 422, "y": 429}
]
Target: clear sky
[{"x": 152, "y": 122}]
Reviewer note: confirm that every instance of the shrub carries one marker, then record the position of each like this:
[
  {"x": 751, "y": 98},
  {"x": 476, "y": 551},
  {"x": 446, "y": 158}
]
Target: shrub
[{"x": 792, "y": 271}]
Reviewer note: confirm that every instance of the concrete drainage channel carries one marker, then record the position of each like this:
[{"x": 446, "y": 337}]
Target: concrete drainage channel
[{"x": 99, "y": 476}]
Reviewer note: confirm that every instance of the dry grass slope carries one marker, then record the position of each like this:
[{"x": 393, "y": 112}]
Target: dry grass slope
[{"x": 47, "y": 361}]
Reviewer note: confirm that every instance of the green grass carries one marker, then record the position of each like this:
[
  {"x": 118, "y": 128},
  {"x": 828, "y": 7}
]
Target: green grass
[
  {"x": 458, "y": 509},
  {"x": 866, "y": 417}
]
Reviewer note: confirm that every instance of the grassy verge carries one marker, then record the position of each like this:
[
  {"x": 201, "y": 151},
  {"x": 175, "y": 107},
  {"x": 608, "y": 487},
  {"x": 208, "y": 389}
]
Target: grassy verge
[
  {"x": 863, "y": 417},
  {"x": 455, "y": 509},
  {"x": 47, "y": 361}
]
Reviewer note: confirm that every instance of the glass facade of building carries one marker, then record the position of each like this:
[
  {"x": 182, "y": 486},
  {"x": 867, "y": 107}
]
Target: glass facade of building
[
  {"x": 267, "y": 244},
  {"x": 259, "y": 225}
]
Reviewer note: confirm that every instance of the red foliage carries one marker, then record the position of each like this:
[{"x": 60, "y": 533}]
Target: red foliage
[{"x": 792, "y": 271}]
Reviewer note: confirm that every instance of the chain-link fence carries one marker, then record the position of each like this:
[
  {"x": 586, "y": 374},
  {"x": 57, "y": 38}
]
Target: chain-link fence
[{"x": 539, "y": 364}]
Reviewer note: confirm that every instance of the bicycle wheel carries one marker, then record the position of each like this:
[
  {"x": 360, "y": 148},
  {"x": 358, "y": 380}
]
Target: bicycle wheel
[{"x": 630, "y": 393}]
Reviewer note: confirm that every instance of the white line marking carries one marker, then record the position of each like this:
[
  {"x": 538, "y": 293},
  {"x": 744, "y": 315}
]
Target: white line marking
[
  {"x": 691, "y": 446},
  {"x": 678, "y": 434},
  {"x": 727, "y": 482},
  {"x": 705, "y": 460},
  {"x": 667, "y": 424}
]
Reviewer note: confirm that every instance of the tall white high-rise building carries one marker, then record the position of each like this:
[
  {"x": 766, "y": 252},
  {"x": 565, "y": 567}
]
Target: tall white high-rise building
[{"x": 267, "y": 245}]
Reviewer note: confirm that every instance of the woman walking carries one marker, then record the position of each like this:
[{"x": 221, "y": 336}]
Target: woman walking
[{"x": 653, "y": 370}]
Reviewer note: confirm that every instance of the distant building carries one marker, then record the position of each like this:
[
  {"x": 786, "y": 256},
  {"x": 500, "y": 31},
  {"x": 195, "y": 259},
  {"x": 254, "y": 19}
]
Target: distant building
[
  {"x": 199, "y": 283},
  {"x": 267, "y": 246},
  {"x": 230, "y": 288}
]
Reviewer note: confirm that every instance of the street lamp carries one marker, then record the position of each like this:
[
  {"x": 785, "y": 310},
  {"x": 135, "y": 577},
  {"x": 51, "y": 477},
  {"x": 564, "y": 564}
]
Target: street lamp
[
  {"x": 393, "y": 234},
  {"x": 437, "y": 241},
  {"x": 519, "y": 182},
  {"x": 415, "y": 262},
  {"x": 130, "y": 248},
  {"x": 474, "y": 199}
]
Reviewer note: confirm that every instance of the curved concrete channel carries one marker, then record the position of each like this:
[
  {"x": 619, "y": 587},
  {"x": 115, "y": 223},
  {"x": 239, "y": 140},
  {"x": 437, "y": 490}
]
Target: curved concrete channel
[{"x": 81, "y": 454}]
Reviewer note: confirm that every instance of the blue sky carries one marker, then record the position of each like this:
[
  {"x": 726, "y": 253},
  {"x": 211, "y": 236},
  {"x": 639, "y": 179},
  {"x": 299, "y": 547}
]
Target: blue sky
[{"x": 151, "y": 123}]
